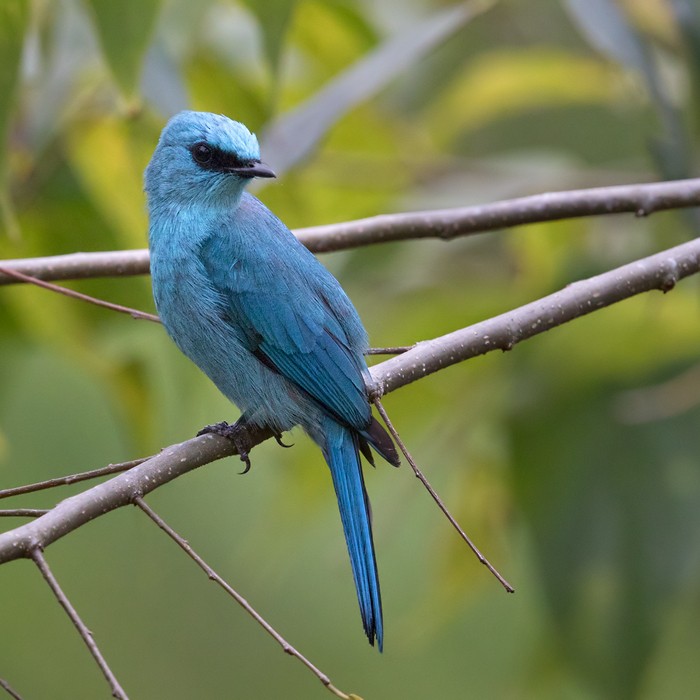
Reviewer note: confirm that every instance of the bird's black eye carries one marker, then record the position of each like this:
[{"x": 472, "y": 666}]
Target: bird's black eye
[{"x": 202, "y": 152}]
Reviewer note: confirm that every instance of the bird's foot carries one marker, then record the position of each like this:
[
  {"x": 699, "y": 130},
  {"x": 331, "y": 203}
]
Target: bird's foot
[{"x": 237, "y": 434}]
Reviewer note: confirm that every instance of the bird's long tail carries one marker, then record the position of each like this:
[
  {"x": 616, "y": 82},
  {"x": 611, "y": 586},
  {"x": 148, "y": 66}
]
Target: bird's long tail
[{"x": 341, "y": 450}]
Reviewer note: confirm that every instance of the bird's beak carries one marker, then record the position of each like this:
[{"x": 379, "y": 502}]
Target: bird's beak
[{"x": 253, "y": 170}]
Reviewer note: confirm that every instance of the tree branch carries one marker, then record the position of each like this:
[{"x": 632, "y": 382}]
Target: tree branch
[
  {"x": 640, "y": 199},
  {"x": 660, "y": 271}
]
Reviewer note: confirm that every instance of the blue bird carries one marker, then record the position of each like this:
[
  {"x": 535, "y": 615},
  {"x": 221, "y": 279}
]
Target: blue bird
[{"x": 257, "y": 313}]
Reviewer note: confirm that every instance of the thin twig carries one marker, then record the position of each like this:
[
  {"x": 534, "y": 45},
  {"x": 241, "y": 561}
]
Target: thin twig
[
  {"x": 40, "y": 561},
  {"x": 23, "y": 512},
  {"x": 639, "y": 199},
  {"x": 433, "y": 493},
  {"x": 72, "y": 478},
  {"x": 286, "y": 646},
  {"x": 8, "y": 689},
  {"x": 134, "y": 313}
]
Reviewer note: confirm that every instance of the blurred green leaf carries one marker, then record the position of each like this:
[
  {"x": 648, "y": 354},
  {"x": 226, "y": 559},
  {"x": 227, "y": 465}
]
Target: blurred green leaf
[
  {"x": 331, "y": 37},
  {"x": 163, "y": 81},
  {"x": 353, "y": 17},
  {"x": 125, "y": 29},
  {"x": 606, "y": 27},
  {"x": 674, "y": 669},
  {"x": 214, "y": 89},
  {"x": 609, "y": 593},
  {"x": 687, "y": 17},
  {"x": 114, "y": 179},
  {"x": 295, "y": 134},
  {"x": 273, "y": 18},
  {"x": 505, "y": 83},
  {"x": 14, "y": 20}
]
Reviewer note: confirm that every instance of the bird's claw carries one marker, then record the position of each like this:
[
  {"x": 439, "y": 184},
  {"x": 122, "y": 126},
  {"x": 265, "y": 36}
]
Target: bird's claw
[
  {"x": 237, "y": 434},
  {"x": 245, "y": 459},
  {"x": 278, "y": 440}
]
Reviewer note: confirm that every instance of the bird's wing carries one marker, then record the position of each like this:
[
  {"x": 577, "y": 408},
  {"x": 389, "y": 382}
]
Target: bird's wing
[
  {"x": 295, "y": 318},
  {"x": 320, "y": 363}
]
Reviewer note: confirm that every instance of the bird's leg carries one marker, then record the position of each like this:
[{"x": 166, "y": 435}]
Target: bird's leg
[{"x": 237, "y": 434}]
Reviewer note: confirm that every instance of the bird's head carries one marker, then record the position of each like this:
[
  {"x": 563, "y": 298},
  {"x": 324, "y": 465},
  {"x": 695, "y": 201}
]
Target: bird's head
[{"x": 203, "y": 155}]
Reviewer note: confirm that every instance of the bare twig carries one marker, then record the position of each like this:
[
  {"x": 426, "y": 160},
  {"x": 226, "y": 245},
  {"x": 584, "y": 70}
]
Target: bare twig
[
  {"x": 22, "y": 512},
  {"x": 661, "y": 271},
  {"x": 434, "y": 495},
  {"x": 38, "y": 557},
  {"x": 71, "y": 478},
  {"x": 639, "y": 199},
  {"x": 134, "y": 313},
  {"x": 286, "y": 646},
  {"x": 8, "y": 689}
]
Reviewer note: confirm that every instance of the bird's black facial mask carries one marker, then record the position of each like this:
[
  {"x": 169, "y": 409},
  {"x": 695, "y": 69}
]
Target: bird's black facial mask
[{"x": 210, "y": 157}]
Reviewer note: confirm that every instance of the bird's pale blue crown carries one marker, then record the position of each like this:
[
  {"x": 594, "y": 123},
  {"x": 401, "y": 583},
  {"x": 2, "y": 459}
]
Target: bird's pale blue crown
[
  {"x": 203, "y": 153},
  {"x": 215, "y": 129}
]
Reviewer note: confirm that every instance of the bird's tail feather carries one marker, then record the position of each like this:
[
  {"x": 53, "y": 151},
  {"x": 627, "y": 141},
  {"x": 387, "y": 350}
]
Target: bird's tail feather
[
  {"x": 376, "y": 436},
  {"x": 341, "y": 450}
]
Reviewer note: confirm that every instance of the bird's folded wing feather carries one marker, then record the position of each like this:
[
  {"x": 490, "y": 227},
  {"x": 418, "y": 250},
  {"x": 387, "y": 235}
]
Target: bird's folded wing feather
[{"x": 295, "y": 322}]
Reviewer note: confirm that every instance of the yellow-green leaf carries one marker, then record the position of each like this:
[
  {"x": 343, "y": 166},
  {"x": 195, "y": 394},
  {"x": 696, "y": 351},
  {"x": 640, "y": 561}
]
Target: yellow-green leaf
[
  {"x": 273, "y": 17},
  {"x": 106, "y": 162},
  {"x": 124, "y": 30}
]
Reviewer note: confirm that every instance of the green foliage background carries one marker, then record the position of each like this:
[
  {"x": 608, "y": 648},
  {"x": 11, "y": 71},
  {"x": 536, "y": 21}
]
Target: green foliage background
[{"x": 573, "y": 460}]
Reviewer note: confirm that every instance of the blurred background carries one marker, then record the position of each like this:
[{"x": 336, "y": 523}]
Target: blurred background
[{"x": 572, "y": 460}]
